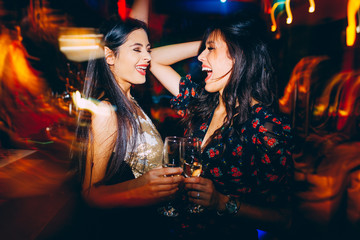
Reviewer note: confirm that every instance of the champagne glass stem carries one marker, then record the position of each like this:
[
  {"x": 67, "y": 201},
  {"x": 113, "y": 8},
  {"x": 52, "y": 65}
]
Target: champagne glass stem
[
  {"x": 192, "y": 166},
  {"x": 172, "y": 157}
]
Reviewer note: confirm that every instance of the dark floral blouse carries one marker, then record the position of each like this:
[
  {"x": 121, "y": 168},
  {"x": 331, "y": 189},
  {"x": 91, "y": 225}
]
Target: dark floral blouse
[{"x": 256, "y": 164}]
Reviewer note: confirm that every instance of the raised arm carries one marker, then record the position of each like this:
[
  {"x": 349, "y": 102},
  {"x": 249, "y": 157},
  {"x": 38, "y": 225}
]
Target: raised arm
[
  {"x": 140, "y": 10},
  {"x": 163, "y": 57}
]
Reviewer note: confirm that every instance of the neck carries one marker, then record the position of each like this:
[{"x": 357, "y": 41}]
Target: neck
[
  {"x": 126, "y": 89},
  {"x": 253, "y": 102},
  {"x": 221, "y": 106},
  {"x": 124, "y": 85}
]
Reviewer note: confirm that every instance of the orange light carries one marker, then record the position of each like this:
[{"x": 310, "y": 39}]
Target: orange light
[
  {"x": 352, "y": 7},
  {"x": 288, "y": 12},
  {"x": 93, "y": 105},
  {"x": 324, "y": 101},
  {"x": 312, "y": 6},
  {"x": 273, "y": 20},
  {"x": 80, "y": 44},
  {"x": 349, "y": 97}
]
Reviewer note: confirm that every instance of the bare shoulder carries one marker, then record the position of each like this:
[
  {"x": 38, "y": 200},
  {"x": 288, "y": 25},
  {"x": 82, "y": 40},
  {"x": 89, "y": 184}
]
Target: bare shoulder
[{"x": 104, "y": 121}]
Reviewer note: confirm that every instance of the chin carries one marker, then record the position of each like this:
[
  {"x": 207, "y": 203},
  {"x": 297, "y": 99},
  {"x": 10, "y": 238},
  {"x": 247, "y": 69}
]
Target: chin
[
  {"x": 139, "y": 81},
  {"x": 210, "y": 89}
]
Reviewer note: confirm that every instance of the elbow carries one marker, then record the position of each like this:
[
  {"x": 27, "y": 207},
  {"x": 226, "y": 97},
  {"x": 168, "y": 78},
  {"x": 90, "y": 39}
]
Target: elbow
[
  {"x": 100, "y": 197},
  {"x": 154, "y": 66},
  {"x": 95, "y": 200},
  {"x": 90, "y": 199}
]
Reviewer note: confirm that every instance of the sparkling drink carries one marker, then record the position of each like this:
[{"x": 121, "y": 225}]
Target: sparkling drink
[
  {"x": 192, "y": 170},
  {"x": 172, "y": 157}
]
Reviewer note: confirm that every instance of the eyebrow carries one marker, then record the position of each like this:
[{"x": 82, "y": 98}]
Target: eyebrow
[
  {"x": 210, "y": 42},
  {"x": 139, "y": 44}
]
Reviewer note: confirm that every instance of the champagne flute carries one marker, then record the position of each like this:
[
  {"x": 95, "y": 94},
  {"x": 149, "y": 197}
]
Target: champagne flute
[
  {"x": 192, "y": 165},
  {"x": 172, "y": 157}
]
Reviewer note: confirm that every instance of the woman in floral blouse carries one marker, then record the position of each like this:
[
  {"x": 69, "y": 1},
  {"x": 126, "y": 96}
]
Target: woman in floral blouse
[{"x": 246, "y": 145}]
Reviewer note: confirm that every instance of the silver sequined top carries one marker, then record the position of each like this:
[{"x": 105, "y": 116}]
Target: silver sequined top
[{"x": 148, "y": 152}]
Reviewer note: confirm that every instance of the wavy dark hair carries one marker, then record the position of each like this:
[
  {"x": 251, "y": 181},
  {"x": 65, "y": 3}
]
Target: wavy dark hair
[
  {"x": 252, "y": 76},
  {"x": 100, "y": 84}
]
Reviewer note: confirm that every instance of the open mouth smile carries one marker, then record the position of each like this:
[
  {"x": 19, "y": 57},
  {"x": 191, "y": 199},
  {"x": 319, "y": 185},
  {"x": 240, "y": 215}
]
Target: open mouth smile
[
  {"x": 141, "y": 69},
  {"x": 208, "y": 70}
]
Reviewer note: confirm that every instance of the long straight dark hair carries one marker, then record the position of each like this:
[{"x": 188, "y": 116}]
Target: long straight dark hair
[
  {"x": 101, "y": 84},
  {"x": 252, "y": 75}
]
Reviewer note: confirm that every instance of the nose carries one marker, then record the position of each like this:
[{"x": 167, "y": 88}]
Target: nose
[
  {"x": 202, "y": 56},
  {"x": 147, "y": 56}
]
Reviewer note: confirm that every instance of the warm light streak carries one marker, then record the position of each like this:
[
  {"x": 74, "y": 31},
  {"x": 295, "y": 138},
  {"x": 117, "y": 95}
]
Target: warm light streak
[
  {"x": 319, "y": 109},
  {"x": 5, "y": 42},
  {"x": 324, "y": 101},
  {"x": 77, "y": 48},
  {"x": 358, "y": 26},
  {"x": 312, "y": 6},
  {"x": 300, "y": 81},
  {"x": 267, "y": 6},
  {"x": 352, "y": 8},
  {"x": 343, "y": 113},
  {"x": 80, "y": 44},
  {"x": 92, "y": 105},
  {"x": 288, "y": 12},
  {"x": 16, "y": 71},
  {"x": 303, "y": 89},
  {"x": 289, "y": 18},
  {"x": 349, "y": 98},
  {"x": 273, "y": 20}
]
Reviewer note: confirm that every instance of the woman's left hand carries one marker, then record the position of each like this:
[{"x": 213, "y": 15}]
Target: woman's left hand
[{"x": 202, "y": 191}]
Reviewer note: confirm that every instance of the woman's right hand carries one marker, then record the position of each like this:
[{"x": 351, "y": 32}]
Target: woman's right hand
[
  {"x": 160, "y": 184},
  {"x": 155, "y": 186}
]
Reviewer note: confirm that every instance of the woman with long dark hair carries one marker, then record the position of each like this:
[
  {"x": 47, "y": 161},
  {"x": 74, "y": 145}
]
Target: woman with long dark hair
[
  {"x": 246, "y": 143},
  {"x": 119, "y": 149}
]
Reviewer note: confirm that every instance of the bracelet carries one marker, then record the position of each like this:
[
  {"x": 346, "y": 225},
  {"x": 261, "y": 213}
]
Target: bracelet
[{"x": 231, "y": 207}]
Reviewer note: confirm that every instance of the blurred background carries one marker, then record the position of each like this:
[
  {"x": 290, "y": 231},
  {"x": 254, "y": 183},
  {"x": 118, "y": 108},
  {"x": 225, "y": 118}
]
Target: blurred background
[{"x": 43, "y": 50}]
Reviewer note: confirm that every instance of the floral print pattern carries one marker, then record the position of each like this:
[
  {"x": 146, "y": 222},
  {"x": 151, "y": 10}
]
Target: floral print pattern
[{"x": 256, "y": 163}]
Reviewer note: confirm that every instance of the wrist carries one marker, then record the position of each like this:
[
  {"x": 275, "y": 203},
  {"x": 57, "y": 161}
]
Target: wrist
[
  {"x": 221, "y": 206},
  {"x": 230, "y": 207}
]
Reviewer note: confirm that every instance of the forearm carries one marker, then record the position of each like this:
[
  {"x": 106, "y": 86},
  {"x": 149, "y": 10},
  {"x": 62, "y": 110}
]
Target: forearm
[
  {"x": 125, "y": 194},
  {"x": 270, "y": 219},
  {"x": 146, "y": 190},
  {"x": 140, "y": 10},
  {"x": 163, "y": 57},
  {"x": 170, "y": 54}
]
